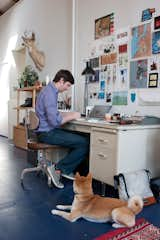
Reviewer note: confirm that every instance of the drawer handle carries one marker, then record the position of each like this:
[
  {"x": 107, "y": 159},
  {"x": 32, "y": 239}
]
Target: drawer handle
[
  {"x": 103, "y": 140},
  {"x": 101, "y": 155}
]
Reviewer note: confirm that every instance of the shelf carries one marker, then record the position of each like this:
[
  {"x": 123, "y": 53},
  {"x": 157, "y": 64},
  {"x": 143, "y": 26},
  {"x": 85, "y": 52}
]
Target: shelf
[
  {"x": 20, "y": 137},
  {"x": 20, "y": 126},
  {"x": 22, "y": 108},
  {"x": 29, "y": 89}
]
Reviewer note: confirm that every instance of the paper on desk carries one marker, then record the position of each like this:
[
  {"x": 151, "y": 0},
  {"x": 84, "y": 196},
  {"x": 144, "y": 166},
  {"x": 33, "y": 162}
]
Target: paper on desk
[
  {"x": 80, "y": 119},
  {"x": 149, "y": 97},
  {"x": 92, "y": 120}
]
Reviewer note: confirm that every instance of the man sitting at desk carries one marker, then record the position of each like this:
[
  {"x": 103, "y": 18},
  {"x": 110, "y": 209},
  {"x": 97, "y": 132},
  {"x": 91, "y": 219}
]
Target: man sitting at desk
[{"x": 49, "y": 130}]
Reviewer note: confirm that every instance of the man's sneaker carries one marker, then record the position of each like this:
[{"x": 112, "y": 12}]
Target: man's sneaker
[
  {"x": 55, "y": 176},
  {"x": 70, "y": 176}
]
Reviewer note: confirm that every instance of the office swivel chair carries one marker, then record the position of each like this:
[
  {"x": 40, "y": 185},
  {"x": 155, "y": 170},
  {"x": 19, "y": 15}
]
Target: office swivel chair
[{"x": 32, "y": 122}]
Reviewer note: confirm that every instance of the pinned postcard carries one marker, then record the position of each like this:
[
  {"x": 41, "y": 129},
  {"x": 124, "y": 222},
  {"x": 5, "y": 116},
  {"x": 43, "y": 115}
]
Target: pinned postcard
[{"x": 120, "y": 98}]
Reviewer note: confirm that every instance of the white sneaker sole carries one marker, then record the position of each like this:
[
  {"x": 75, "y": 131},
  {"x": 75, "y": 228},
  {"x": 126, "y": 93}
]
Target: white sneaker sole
[
  {"x": 53, "y": 180},
  {"x": 68, "y": 177}
]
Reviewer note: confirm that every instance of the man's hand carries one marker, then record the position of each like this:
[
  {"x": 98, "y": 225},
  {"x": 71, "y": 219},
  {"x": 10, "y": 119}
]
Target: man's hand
[
  {"x": 68, "y": 116},
  {"x": 76, "y": 115}
]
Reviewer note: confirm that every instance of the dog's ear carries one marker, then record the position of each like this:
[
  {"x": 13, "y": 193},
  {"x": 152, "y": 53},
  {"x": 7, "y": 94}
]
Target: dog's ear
[
  {"x": 89, "y": 176},
  {"x": 77, "y": 175}
]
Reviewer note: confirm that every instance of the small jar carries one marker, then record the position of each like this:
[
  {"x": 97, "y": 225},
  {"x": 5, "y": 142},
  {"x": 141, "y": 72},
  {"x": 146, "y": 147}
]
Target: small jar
[{"x": 108, "y": 116}]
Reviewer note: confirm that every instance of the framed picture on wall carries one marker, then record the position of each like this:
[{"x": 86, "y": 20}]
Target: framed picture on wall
[
  {"x": 104, "y": 26},
  {"x": 153, "y": 80}
]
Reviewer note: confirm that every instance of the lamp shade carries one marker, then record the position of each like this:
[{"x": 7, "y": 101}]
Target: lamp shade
[{"x": 88, "y": 70}]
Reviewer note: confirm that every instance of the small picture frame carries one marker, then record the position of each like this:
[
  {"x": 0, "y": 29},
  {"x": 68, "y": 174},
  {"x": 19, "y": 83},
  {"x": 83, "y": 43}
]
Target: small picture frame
[
  {"x": 157, "y": 23},
  {"x": 104, "y": 26},
  {"x": 153, "y": 80}
]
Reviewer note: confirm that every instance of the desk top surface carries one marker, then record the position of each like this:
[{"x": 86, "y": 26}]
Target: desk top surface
[{"x": 146, "y": 124}]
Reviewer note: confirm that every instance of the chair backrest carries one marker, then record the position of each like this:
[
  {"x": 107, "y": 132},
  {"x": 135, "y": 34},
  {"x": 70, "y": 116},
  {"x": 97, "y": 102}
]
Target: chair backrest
[
  {"x": 31, "y": 125},
  {"x": 33, "y": 120}
]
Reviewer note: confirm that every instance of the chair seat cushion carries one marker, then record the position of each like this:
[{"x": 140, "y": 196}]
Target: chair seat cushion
[{"x": 38, "y": 146}]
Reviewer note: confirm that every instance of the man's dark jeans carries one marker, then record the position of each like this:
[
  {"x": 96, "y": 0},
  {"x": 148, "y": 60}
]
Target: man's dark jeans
[{"x": 78, "y": 147}]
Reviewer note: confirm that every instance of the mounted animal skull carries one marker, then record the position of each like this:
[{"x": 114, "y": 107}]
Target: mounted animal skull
[{"x": 37, "y": 56}]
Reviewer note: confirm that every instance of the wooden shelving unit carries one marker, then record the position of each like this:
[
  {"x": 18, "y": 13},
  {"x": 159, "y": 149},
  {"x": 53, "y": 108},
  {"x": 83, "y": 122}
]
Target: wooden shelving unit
[{"x": 19, "y": 133}]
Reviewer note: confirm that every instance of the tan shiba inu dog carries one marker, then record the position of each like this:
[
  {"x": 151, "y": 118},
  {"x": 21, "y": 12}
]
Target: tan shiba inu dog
[{"x": 95, "y": 208}]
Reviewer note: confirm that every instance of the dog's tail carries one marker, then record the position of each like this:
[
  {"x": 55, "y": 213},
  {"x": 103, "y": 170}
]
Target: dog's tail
[{"x": 135, "y": 203}]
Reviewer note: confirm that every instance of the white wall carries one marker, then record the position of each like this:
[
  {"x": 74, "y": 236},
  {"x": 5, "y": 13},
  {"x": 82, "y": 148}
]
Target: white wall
[
  {"x": 52, "y": 23},
  {"x": 127, "y": 13}
]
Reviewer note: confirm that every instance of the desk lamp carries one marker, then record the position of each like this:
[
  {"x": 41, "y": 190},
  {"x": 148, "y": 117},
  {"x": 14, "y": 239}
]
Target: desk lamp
[{"x": 87, "y": 72}]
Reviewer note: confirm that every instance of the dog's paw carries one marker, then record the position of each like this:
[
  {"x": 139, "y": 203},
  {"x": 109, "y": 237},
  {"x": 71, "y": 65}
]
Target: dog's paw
[
  {"x": 117, "y": 225},
  {"x": 54, "y": 211},
  {"x": 61, "y": 207}
]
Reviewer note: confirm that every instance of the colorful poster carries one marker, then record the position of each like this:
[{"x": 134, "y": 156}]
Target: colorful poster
[
  {"x": 141, "y": 41},
  {"x": 104, "y": 26},
  {"x": 138, "y": 74}
]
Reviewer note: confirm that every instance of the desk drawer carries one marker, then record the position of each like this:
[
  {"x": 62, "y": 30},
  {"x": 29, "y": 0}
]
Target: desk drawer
[
  {"x": 103, "y": 165},
  {"x": 103, "y": 156},
  {"x": 101, "y": 139},
  {"x": 102, "y": 153}
]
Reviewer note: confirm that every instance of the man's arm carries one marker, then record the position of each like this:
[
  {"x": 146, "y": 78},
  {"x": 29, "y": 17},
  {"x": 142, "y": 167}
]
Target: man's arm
[{"x": 68, "y": 116}]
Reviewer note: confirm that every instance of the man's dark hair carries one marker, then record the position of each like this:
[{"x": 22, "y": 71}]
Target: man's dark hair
[{"x": 65, "y": 74}]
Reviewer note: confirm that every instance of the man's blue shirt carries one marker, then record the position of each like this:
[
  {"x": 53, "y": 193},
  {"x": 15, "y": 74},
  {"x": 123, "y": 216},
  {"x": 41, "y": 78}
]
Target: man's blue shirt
[{"x": 46, "y": 109}]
